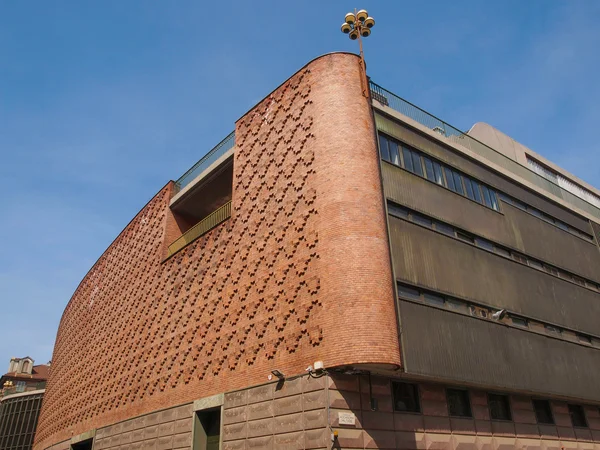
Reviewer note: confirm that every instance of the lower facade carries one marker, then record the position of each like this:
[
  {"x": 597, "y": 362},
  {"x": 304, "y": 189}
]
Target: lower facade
[
  {"x": 18, "y": 419},
  {"x": 354, "y": 410}
]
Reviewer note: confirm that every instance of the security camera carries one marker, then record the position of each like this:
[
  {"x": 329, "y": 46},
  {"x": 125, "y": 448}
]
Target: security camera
[
  {"x": 369, "y": 22},
  {"x": 499, "y": 315},
  {"x": 350, "y": 18},
  {"x": 362, "y": 15},
  {"x": 354, "y": 35},
  {"x": 365, "y": 32},
  {"x": 346, "y": 28}
]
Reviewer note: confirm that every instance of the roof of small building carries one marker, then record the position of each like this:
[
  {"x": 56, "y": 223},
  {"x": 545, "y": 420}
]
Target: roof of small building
[{"x": 39, "y": 372}]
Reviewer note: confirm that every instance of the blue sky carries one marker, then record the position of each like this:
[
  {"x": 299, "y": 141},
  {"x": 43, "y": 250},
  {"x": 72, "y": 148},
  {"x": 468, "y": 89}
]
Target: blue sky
[{"x": 101, "y": 103}]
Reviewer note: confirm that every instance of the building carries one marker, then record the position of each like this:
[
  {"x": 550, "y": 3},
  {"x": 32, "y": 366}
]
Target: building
[
  {"x": 448, "y": 283},
  {"x": 23, "y": 388}
]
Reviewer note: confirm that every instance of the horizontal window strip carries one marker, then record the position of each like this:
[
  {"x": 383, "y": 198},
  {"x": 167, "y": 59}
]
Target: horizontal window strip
[
  {"x": 402, "y": 155},
  {"x": 424, "y": 166},
  {"x": 502, "y": 316},
  {"x": 484, "y": 244}
]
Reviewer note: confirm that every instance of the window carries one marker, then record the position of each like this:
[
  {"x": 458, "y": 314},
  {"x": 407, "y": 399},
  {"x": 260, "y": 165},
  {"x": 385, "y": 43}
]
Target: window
[
  {"x": 577, "y": 416},
  {"x": 395, "y": 157},
  {"x": 543, "y": 413},
  {"x": 406, "y": 292},
  {"x": 469, "y": 188},
  {"x": 520, "y": 258},
  {"x": 489, "y": 198},
  {"x": 383, "y": 148},
  {"x": 499, "y": 407},
  {"x": 535, "y": 264},
  {"x": 486, "y": 245},
  {"x": 434, "y": 299},
  {"x": 417, "y": 166},
  {"x": 429, "y": 172},
  {"x": 20, "y": 386},
  {"x": 406, "y": 397},
  {"x": 422, "y": 220},
  {"x": 585, "y": 339},
  {"x": 207, "y": 429},
  {"x": 465, "y": 237},
  {"x": 519, "y": 321},
  {"x": 437, "y": 170},
  {"x": 458, "y": 403},
  {"x": 449, "y": 179},
  {"x": 551, "y": 270},
  {"x": 553, "y": 330},
  {"x": 443, "y": 228},
  {"x": 477, "y": 191},
  {"x": 502, "y": 251},
  {"x": 458, "y": 182},
  {"x": 398, "y": 211},
  {"x": 408, "y": 162}
]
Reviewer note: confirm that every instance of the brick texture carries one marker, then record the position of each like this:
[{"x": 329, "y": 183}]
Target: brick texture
[{"x": 299, "y": 273}]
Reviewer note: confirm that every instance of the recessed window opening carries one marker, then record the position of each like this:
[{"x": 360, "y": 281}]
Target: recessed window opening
[
  {"x": 207, "y": 429},
  {"x": 577, "y": 416},
  {"x": 458, "y": 403},
  {"x": 543, "y": 412},
  {"x": 406, "y": 397},
  {"x": 499, "y": 407},
  {"x": 83, "y": 445}
]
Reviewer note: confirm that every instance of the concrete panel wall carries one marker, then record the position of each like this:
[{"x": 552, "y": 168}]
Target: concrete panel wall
[
  {"x": 429, "y": 259},
  {"x": 514, "y": 228}
]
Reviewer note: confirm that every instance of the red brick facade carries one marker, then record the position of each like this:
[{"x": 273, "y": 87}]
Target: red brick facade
[{"x": 299, "y": 273}]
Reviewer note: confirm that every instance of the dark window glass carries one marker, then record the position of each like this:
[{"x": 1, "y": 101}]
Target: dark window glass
[
  {"x": 520, "y": 205},
  {"x": 383, "y": 146},
  {"x": 458, "y": 182},
  {"x": 443, "y": 228},
  {"x": 398, "y": 211},
  {"x": 487, "y": 245},
  {"x": 578, "y": 280},
  {"x": 487, "y": 198},
  {"x": 499, "y": 407},
  {"x": 494, "y": 199},
  {"x": 535, "y": 264},
  {"x": 406, "y": 397},
  {"x": 577, "y": 416},
  {"x": 519, "y": 322},
  {"x": 561, "y": 225},
  {"x": 502, "y": 251},
  {"x": 505, "y": 198},
  {"x": 437, "y": 169},
  {"x": 395, "y": 157},
  {"x": 408, "y": 162},
  {"x": 535, "y": 212},
  {"x": 417, "y": 166},
  {"x": 465, "y": 237},
  {"x": 434, "y": 299},
  {"x": 519, "y": 257},
  {"x": 584, "y": 339},
  {"x": 469, "y": 188},
  {"x": 426, "y": 222},
  {"x": 551, "y": 270},
  {"x": 449, "y": 179},
  {"x": 543, "y": 413},
  {"x": 477, "y": 191},
  {"x": 429, "y": 169},
  {"x": 406, "y": 292},
  {"x": 553, "y": 330},
  {"x": 458, "y": 402}
]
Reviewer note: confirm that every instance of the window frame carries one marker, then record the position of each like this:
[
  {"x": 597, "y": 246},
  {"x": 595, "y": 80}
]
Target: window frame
[
  {"x": 468, "y": 398},
  {"x": 581, "y": 409},
  {"x": 535, "y": 411},
  {"x": 417, "y": 398},
  {"x": 508, "y": 405}
]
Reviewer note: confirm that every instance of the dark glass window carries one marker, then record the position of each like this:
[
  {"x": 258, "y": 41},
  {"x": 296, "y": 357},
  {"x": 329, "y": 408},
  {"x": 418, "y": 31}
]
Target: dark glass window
[
  {"x": 553, "y": 330},
  {"x": 505, "y": 198},
  {"x": 577, "y": 416},
  {"x": 406, "y": 397},
  {"x": 535, "y": 264},
  {"x": 465, "y": 237},
  {"x": 417, "y": 166},
  {"x": 398, "y": 211},
  {"x": 487, "y": 245},
  {"x": 487, "y": 196},
  {"x": 406, "y": 292},
  {"x": 383, "y": 147},
  {"x": 561, "y": 225},
  {"x": 449, "y": 179},
  {"x": 543, "y": 412},
  {"x": 494, "y": 199},
  {"x": 458, "y": 182},
  {"x": 395, "y": 157},
  {"x": 519, "y": 322},
  {"x": 519, "y": 257},
  {"x": 469, "y": 188},
  {"x": 443, "y": 228},
  {"x": 434, "y": 299},
  {"x": 429, "y": 169},
  {"x": 458, "y": 402},
  {"x": 408, "y": 162},
  {"x": 437, "y": 169},
  {"x": 584, "y": 339},
  {"x": 499, "y": 407},
  {"x": 477, "y": 191},
  {"x": 502, "y": 251},
  {"x": 421, "y": 220}
]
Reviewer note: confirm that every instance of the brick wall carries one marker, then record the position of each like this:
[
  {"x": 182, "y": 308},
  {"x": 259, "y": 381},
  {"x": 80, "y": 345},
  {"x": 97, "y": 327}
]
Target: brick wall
[{"x": 299, "y": 273}]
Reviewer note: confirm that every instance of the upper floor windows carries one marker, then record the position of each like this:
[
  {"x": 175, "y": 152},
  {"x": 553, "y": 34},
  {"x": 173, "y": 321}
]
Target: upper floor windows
[
  {"x": 543, "y": 412},
  {"x": 422, "y": 165}
]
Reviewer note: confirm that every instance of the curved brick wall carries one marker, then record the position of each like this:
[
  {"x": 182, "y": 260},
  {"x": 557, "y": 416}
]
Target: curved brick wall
[{"x": 300, "y": 272}]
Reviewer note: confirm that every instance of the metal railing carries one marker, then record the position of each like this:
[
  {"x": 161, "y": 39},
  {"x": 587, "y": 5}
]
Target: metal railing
[
  {"x": 204, "y": 226},
  {"x": 219, "y": 150},
  {"x": 456, "y": 136}
]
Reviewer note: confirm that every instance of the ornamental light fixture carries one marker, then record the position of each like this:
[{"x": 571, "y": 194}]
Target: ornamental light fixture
[{"x": 357, "y": 25}]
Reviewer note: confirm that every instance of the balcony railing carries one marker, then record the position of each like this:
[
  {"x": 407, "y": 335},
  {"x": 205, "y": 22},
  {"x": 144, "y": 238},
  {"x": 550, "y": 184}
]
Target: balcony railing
[
  {"x": 204, "y": 226},
  {"x": 219, "y": 150},
  {"x": 456, "y": 136}
]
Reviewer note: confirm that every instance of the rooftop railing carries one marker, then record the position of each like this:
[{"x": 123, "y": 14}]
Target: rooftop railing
[
  {"x": 204, "y": 226},
  {"x": 456, "y": 136},
  {"x": 213, "y": 155}
]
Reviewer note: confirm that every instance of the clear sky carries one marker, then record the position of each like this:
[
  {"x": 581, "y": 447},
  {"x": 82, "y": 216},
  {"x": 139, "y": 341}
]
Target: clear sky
[{"x": 102, "y": 102}]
